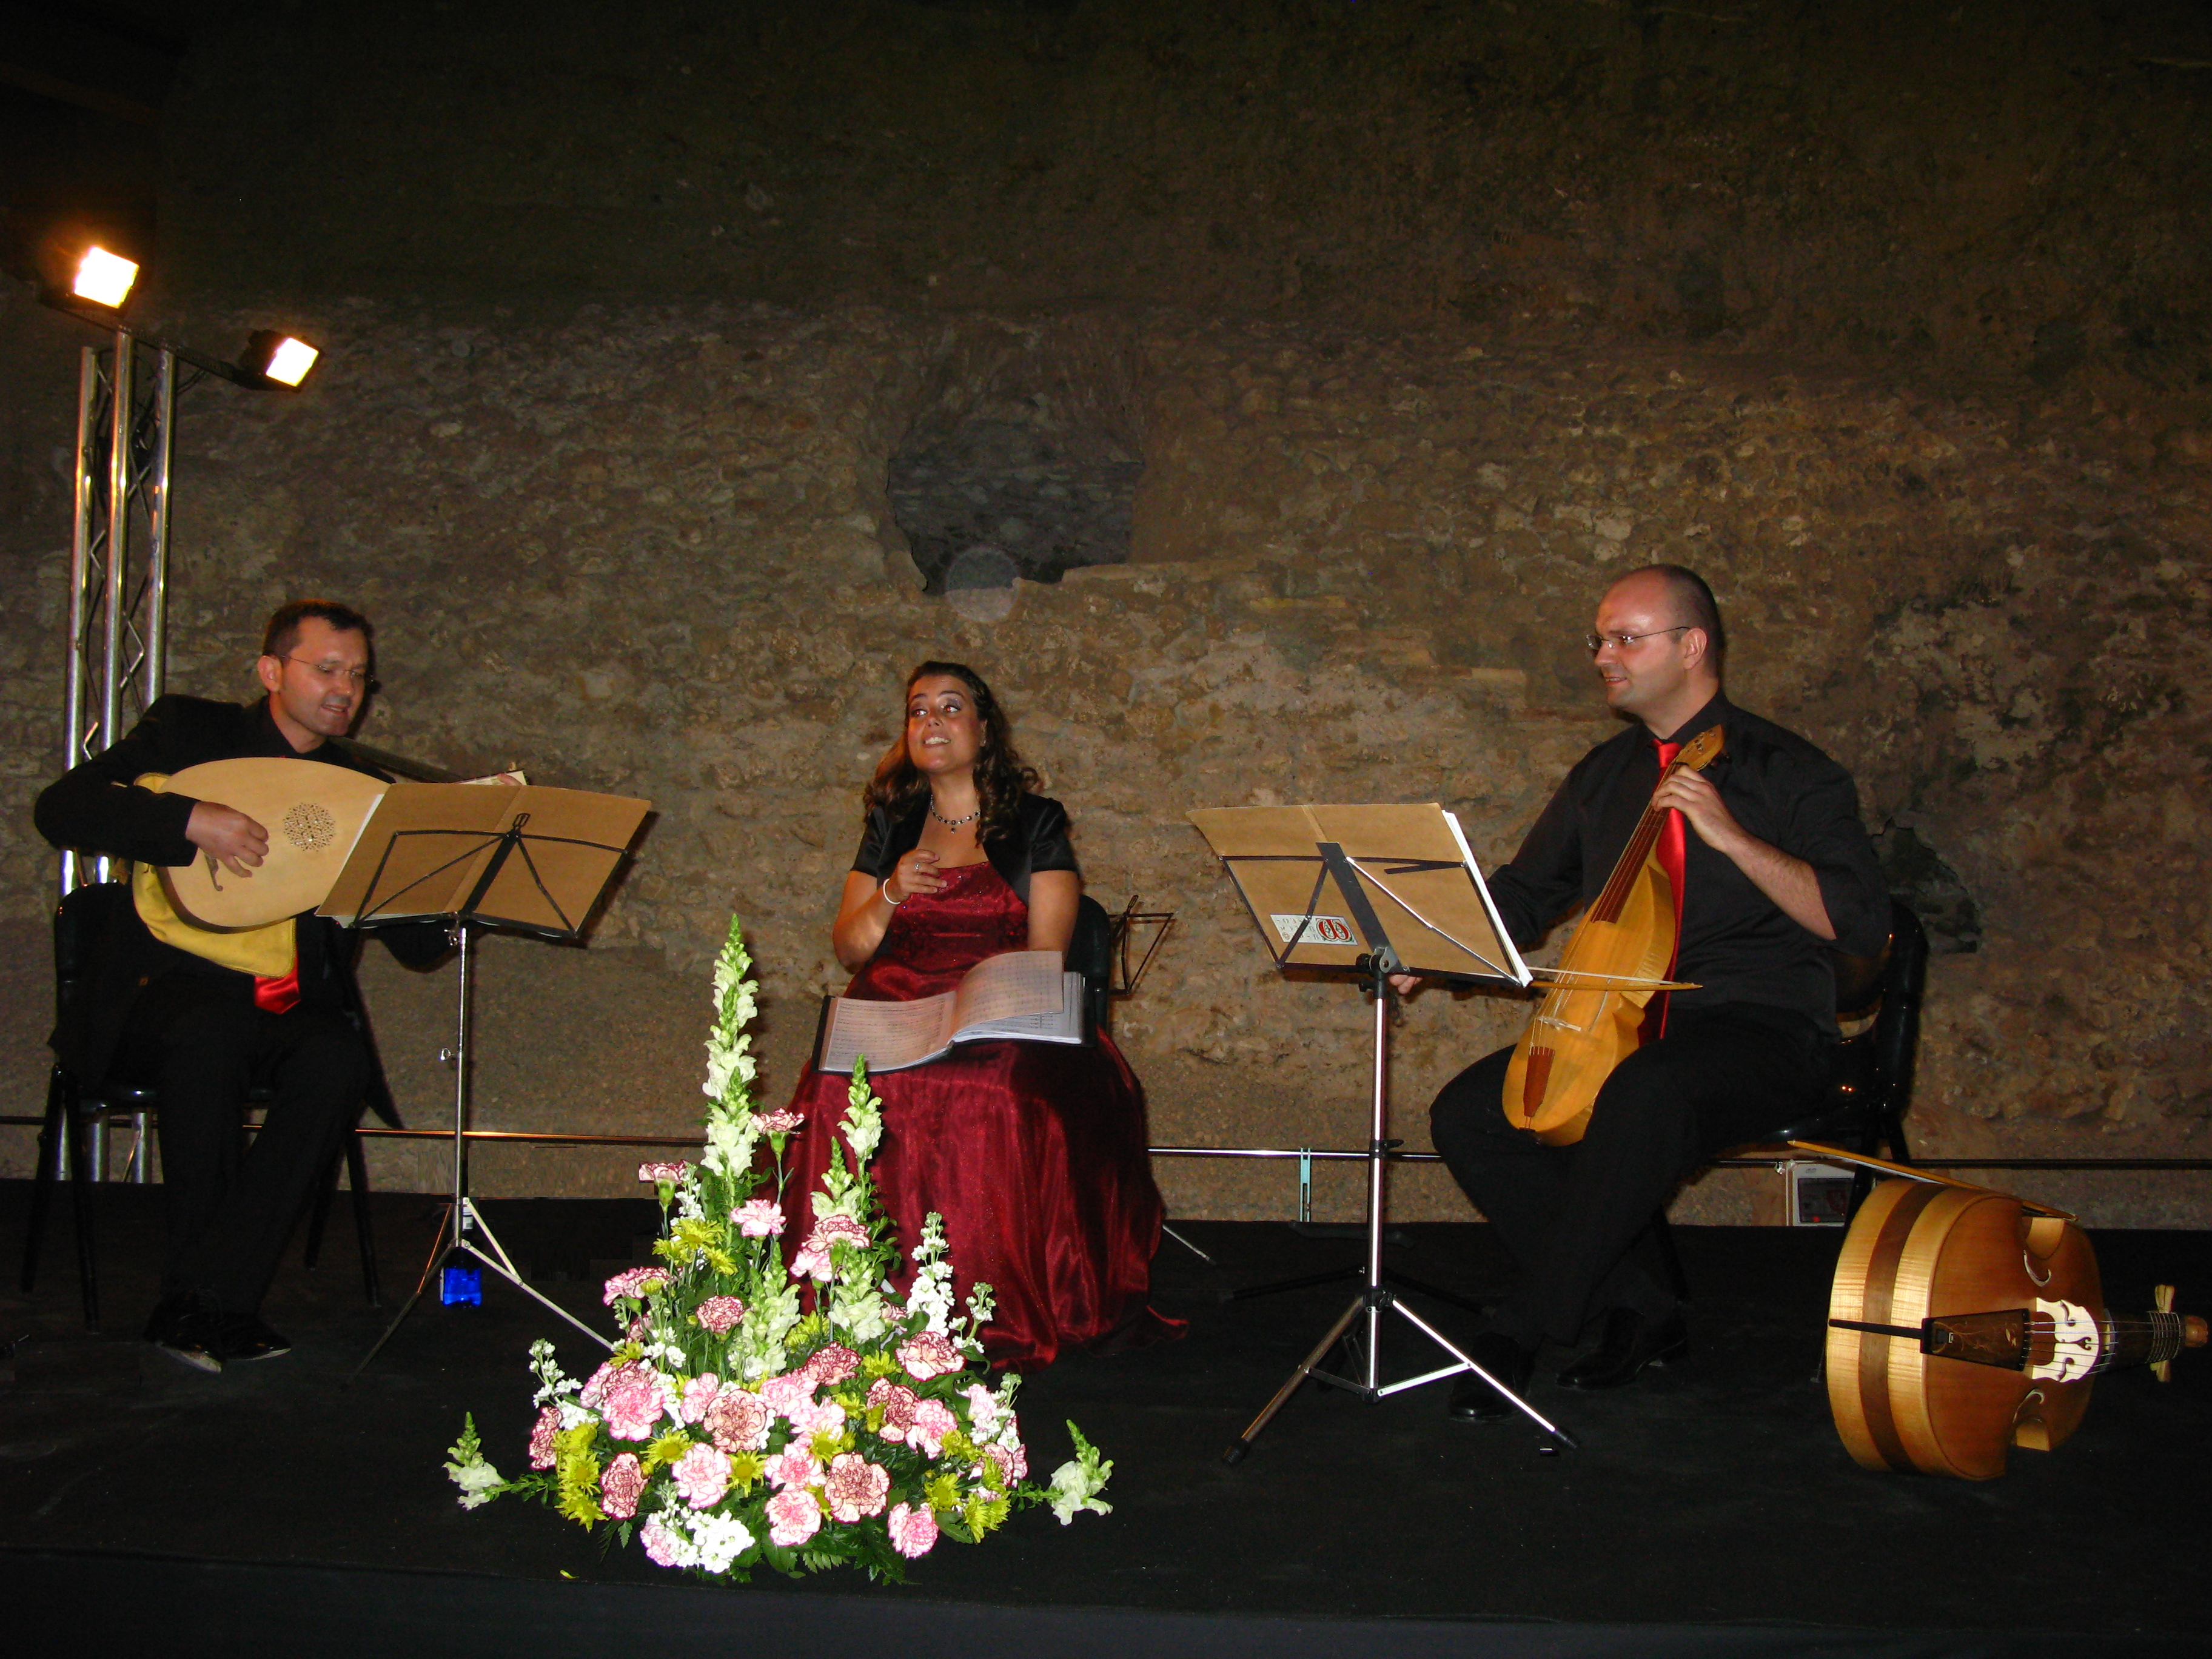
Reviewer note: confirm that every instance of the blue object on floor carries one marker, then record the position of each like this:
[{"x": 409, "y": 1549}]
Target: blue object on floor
[{"x": 463, "y": 1284}]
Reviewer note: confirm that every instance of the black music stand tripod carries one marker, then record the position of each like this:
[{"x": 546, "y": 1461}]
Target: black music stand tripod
[
  {"x": 462, "y": 1225},
  {"x": 1377, "y": 1296}
]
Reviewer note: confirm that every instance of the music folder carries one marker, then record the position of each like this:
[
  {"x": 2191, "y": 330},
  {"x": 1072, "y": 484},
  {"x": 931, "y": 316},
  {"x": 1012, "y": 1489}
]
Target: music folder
[
  {"x": 533, "y": 859},
  {"x": 1412, "y": 879}
]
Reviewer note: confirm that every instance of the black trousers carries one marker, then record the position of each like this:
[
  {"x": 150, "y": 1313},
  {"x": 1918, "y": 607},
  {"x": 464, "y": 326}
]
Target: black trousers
[
  {"x": 1586, "y": 1223},
  {"x": 233, "y": 1207}
]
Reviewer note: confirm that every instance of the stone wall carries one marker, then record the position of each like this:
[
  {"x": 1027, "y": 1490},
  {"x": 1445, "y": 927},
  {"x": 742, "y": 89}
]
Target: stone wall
[{"x": 652, "y": 551}]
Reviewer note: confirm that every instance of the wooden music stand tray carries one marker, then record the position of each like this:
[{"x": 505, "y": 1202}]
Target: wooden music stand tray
[
  {"x": 1371, "y": 891},
  {"x": 524, "y": 860}
]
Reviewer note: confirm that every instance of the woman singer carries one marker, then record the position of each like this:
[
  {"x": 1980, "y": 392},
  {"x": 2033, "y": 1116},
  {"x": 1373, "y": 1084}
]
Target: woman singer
[{"x": 1033, "y": 1152}]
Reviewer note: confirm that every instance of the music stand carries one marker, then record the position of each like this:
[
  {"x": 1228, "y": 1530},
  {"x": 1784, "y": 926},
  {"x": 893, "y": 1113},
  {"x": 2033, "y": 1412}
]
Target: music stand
[
  {"x": 528, "y": 859},
  {"x": 1373, "y": 891}
]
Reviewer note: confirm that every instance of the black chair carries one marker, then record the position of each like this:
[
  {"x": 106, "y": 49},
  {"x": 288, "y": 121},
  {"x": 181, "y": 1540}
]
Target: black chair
[
  {"x": 1090, "y": 953},
  {"x": 75, "y": 1107},
  {"x": 1865, "y": 1109}
]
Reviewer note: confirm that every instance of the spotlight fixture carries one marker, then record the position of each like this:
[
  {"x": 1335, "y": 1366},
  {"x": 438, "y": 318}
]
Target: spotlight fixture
[
  {"x": 279, "y": 357},
  {"x": 104, "y": 278}
]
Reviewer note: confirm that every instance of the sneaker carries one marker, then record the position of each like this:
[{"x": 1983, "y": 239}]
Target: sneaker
[
  {"x": 182, "y": 1326},
  {"x": 243, "y": 1336}
]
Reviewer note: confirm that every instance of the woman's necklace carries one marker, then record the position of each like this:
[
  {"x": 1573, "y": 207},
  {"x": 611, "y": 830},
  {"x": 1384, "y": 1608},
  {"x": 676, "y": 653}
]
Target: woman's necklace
[{"x": 954, "y": 823}]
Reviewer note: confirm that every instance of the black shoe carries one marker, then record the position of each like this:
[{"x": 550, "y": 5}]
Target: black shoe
[
  {"x": 243, "y": 1336},
  {"x": 185, "y": 1327},
  {"x": 1630, "y": 1343},
  {"x": 1472, "y": 1400}
]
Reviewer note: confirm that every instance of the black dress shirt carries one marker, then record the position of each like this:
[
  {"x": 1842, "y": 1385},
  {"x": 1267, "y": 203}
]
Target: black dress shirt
[{"x": 1737, "y": 944}]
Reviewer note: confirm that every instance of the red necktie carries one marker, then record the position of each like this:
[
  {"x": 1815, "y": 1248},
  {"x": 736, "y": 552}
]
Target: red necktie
[
  {"x": 277, "y": 996},
  {"x": 1673, "y": 843}
]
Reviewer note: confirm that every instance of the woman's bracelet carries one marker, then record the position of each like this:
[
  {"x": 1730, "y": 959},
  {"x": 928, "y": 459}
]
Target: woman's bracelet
[{"x": 886, "y": 886}]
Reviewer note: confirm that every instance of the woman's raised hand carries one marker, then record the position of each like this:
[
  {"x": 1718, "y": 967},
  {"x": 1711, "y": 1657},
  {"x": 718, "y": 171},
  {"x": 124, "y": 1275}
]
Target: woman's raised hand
[{"x": 915, "y": 873}]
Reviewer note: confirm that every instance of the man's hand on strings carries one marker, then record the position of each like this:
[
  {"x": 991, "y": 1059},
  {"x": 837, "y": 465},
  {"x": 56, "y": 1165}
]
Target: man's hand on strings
[
  {"x": 1690, "y": 794},
  {"x": 1786, "y": 880},
  {"x": 227, "y": 835}
]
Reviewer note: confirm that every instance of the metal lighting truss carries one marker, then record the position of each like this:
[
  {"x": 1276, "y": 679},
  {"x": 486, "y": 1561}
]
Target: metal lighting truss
[{"x": 119, "y": 551}]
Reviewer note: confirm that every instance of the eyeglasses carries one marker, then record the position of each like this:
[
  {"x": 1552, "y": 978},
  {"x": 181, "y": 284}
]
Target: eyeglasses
[
  {"x": 360, "y": 678},
  {"x": 1598, "y": 642}
]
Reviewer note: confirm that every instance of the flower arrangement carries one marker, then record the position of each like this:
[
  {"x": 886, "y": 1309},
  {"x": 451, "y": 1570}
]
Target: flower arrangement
[{"x": 732, "y": 1427}]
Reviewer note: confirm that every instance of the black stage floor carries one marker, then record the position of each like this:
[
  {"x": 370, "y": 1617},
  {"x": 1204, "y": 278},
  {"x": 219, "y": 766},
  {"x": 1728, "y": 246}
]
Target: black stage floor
[{"x": 1710, "y": 1510}]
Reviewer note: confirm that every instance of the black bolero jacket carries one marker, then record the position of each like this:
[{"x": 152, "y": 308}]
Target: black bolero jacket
[{"x": 1037, "y": 841}]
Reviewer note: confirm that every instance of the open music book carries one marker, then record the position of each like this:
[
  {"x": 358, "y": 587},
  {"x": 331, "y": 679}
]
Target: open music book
[{"x": 1024, "y": 995}]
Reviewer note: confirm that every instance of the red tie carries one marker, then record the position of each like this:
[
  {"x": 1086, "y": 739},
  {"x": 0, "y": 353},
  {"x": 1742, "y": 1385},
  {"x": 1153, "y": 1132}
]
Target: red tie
[
  {"x": 277, "y": 996},
  {"x": 1673, "y": 842}
]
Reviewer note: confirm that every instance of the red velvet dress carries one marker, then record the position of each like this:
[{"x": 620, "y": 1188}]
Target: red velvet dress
[{"x": 1033, "y": 1152}]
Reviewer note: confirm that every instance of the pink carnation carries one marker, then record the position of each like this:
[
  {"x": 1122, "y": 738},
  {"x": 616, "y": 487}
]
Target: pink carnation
[
  {"x": 794, "y": 1466},
  {"x": 1013, "y": 1460},
  {"x": 633, "y": 1282},
  {"x": 699, "y": 1393},
  {"x": 793, "y": 1517},
  {"x": 661, "y": 1171},
  {"x": 791, "y": 1392},
  {"x": 738, "y": 1421},
  {"x": 931, "y": 1354},
  {"x": 662, "y": 1546},
  {"x": 632, "y": 1400},
  {"x": 620, "y": 1487},
  {"x": 855, "y": 1487},
  {"x": 758, "y": 1218},
  {"x": 832, "y": 1364},
  {"x": 933, "y": 1421},
  {"x": 778, "y": 1123},
  {"x": 913, "y": 1532},
  {"x": 595, "y": 1386},
  {"x": 826, "y": 1416},
  {"x": 638, "y": 1329},
  {"x": 719, "y": 1313},
  {"x": 898, "y": 1403},
  {"x": 541, "y": 1439},
  {"x": 982, "y": 1407},
  {"x": 813, "y": 1257},
  {"x": 702, "y": 1476}
]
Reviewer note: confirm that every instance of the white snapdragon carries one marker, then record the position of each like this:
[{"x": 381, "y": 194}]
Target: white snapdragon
[
  {"x": 478, "y": 1480},
  {"x": 860, "y": 1313},
  {"x": 1076, "y": 1483},
  {"x": 863, "y": 1128},
  {"x": 730, "y": 1143}
]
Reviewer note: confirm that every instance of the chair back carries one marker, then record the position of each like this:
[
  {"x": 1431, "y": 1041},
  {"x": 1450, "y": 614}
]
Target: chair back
[
  {"x": 85, "y": 916},
  {"x": 1893, "y": 1044},
  {"x": 1090, "y": 953},
  {"x": 88, "y": 920},
  {"x": 1873, "y": 1068}
]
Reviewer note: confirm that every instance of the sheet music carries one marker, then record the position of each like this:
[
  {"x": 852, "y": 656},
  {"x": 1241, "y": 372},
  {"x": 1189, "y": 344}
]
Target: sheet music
[
  {"x": 1008, "y": 985},
  {"x": 886, "y": 1032},
  {"x": 1024, "y": 995}
]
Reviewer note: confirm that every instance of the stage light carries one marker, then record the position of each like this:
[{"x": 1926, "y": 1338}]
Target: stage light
[
  {"x": 279, "y": 357},
  {"x": 104, "y": 278}
]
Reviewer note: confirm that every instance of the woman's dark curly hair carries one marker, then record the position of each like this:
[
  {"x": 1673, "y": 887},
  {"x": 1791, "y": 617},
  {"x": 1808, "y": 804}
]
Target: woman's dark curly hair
[{"x": 1000, "y": 777}]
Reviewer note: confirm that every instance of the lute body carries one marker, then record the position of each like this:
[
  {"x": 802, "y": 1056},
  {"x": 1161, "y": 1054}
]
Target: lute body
[
  {"x": 314, "y": 813},
  {"x": 1964, "y": 1322}
]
